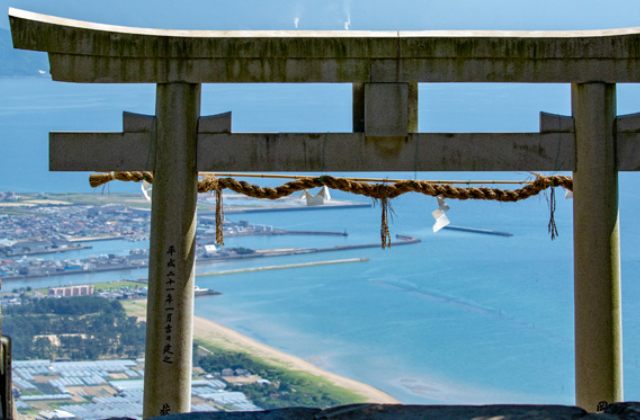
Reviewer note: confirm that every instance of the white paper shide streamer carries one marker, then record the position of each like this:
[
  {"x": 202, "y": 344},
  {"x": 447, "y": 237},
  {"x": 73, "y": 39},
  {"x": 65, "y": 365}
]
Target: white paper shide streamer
[
  {"x": 440, "y": 215},
  {"x": 146, "y": 190}
]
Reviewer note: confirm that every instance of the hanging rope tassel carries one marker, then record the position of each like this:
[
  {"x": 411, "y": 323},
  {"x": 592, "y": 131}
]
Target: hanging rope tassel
[
  {"x": 219, "y": 217},
  {"x": 385, "y": 236},
  {"x": 553, "y": 229}
]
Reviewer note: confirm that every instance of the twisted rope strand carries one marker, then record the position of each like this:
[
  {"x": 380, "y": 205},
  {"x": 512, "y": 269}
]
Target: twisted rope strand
[{"x": 380, "y": 191}]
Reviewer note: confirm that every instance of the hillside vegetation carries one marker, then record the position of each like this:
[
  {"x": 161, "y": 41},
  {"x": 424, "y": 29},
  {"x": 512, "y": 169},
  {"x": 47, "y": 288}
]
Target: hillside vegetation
[{"x": 78, "y": 328}]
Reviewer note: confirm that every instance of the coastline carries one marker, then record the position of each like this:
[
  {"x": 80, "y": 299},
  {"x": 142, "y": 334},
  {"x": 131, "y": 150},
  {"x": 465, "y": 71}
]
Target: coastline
[
  {"x": 219, "y": 336},
  {"x": 259, "y": 253}
]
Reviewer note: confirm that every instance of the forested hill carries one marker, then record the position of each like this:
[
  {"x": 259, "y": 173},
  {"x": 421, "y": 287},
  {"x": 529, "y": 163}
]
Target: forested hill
[
  {"x": 73, "y": 328},
  {"x": 19, "y": 62}
]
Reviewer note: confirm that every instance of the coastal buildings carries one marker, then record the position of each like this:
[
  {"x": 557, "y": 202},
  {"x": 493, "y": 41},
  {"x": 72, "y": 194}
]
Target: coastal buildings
[
  {"x": 109, "y": 388},
  {"x": 47, "y": 227},
  {"x": 68, "y": 291}
]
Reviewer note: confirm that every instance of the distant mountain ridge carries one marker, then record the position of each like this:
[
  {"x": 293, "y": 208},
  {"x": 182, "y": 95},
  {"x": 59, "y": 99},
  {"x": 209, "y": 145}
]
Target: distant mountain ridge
[{"x": 18, "y": 62}]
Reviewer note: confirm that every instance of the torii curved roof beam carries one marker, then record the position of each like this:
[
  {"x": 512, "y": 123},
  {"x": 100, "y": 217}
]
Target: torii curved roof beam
[{"x": 90, "y": 52}]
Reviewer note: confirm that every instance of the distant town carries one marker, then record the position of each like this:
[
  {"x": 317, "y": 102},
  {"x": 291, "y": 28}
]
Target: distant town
[
  {"x": 34, "y": 225},
  {"x": 78, "y": 352}
]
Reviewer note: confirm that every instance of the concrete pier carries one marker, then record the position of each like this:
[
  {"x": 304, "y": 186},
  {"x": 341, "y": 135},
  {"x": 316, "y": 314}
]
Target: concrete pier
[{"x": 598, "y": 329}]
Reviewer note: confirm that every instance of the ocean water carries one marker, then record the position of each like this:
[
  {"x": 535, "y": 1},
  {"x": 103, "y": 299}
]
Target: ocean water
[{"x": 458, "y": 318}]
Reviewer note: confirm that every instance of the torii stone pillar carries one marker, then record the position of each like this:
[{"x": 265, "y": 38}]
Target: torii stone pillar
[
  {"x": 598, "y": 316},
  {"x": 172, "y": 251},
  {"x": 408, "y": 105}
]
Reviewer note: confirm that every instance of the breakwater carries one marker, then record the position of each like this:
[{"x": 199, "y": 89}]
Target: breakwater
[
  {"x": 260, "y": 253},
  {"x": 274, "y": 209},
  {"x": 283, "y": 267},
  {"x": 48, "y": 251},
  {"x": 308, "y": 233},
  {"x": 478, "y": 231},
  {"x": 263, "y": 253}
]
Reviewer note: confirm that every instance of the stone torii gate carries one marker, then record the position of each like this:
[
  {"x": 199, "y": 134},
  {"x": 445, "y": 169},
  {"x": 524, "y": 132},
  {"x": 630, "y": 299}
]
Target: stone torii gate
[{"x": 384, "y": 69}]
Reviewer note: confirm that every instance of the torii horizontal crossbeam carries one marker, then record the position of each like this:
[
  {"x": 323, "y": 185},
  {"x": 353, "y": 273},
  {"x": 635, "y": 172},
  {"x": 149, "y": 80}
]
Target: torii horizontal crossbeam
[
  {"x": 324, "y": 152},
  {"x": 89, "y": 52},
  {"x": 550, "y": 150}
]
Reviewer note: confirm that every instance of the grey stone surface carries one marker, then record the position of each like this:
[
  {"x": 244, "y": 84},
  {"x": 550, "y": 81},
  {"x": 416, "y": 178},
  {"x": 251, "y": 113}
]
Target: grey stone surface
[
  {"x": 90, "y": 52},
  {"x": 553, "y": 123},
  {"x": 625, "y": 411},
  {"x": 630, "y": 410},
  {"x": 329, "y": 152},
  {"x": 101, "y": 151},
  {"x": 596, "y": 247},
  {"x": 219, "y": 123},
  {"x": 628, "y": 123},
  {"x": 280, "y": 414},
  {"x": 138, "y": 123},
  {"x": 357, "y": 107},
  {"x": 416, "y": 152},
  {"x": 386, "y": 107},
  {"x": 169, "y": 339},
  {"x": 400, "y": 412},
  {"x": 628, "y": 151}
]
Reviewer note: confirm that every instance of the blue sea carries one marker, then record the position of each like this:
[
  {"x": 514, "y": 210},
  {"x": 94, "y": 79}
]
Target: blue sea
[{"x": 458, "y": 318}]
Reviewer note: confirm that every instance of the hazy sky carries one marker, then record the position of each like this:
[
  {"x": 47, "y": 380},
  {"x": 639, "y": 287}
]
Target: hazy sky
[{"x": 357, "y": 14}]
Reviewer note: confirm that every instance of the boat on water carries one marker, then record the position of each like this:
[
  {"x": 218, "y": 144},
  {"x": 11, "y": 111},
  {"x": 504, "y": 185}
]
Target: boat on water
[{"x": 202, "y": 291}]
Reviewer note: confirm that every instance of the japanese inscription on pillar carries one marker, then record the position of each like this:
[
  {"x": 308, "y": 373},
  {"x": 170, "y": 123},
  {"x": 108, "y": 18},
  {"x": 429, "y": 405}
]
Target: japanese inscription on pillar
[{"x": 169, "y": 305}]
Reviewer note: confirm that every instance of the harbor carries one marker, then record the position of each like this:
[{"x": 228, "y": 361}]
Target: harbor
[
  {"x": 55, "y": 235},
  {"x": 137, "y": 259}
]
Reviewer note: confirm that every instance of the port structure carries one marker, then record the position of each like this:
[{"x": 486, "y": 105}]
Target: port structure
[{"x": 384, "y": 69}]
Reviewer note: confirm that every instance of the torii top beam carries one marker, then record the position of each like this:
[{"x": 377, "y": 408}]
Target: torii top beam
[{"x": 90, "y": 52}]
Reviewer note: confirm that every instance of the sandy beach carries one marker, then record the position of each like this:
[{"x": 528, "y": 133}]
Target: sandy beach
[{"x": 221, "y": 336}]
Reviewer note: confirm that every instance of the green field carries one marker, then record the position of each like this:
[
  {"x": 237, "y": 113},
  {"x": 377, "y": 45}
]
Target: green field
[
  {"x": 288, "y": 388},
  {"x": 120, "y": 284},
  {"x": 103, "y": 286}
]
